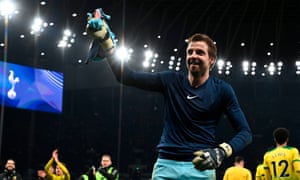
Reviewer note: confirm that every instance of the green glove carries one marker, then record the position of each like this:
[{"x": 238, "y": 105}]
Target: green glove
[{"x": 99, "y": 30}]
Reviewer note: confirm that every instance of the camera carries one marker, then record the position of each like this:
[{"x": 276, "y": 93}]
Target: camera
[{"x": 91, "y": 170}]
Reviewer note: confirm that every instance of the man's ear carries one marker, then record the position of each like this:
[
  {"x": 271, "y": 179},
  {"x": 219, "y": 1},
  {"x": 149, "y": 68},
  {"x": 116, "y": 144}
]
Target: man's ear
[{"x": 212, "y": 62}]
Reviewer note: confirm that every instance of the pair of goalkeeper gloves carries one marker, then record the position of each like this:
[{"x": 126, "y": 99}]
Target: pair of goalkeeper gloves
[{"x": 211, "y": 158}]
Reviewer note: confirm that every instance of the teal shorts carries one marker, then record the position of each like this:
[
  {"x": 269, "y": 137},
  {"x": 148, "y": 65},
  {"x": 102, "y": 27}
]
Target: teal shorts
[{"x": 179, "y": 170}]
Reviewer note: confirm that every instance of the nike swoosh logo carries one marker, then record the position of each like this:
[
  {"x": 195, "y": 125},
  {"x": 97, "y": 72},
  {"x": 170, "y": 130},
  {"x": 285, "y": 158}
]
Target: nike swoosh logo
[{"x": 191, "y": 97}]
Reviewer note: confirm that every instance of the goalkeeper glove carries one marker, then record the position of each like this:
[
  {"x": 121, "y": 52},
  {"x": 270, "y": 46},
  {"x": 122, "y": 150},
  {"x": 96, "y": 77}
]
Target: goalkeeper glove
[
  {"x": 211, "y": 158},
  {"x": 99, "y": 30}
]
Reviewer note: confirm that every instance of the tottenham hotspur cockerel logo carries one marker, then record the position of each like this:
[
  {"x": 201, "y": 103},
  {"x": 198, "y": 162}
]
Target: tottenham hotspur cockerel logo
[{"x": 11, "y": 94}]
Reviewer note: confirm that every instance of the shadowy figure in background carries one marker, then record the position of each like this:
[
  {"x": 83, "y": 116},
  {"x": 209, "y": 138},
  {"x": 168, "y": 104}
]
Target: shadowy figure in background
[
  {"x": 10, "y": 172},
  {"x": 89, "y": 175},
  {"x": 41, "y": 174}
]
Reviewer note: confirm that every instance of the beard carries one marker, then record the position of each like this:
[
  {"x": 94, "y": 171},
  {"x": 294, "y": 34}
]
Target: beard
[
  {"x": 194, "y": 62},
  {"x": 196, "y": 67}
]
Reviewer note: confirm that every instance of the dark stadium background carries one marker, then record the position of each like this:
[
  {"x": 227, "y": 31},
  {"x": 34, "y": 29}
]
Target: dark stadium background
[{"x": 101, "y": 116}]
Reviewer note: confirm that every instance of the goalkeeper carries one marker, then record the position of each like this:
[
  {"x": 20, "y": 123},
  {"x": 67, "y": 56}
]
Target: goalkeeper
[{"x": 194, "y": 104}]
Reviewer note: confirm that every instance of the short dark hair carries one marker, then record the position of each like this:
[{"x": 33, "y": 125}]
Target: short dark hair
[
  {"x": 238, "y": 159},
  {"x": 212, "y": 48},
  {"x": 281, "y": 135}
]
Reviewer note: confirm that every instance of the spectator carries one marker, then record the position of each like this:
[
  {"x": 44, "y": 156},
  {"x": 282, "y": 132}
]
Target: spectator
[
  {"x": 10, "y": 172},
  {"x": 61, "y": 172}
]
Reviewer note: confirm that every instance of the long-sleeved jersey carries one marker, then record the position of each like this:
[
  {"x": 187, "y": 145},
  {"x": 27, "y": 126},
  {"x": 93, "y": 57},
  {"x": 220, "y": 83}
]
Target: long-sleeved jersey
[
  {"x": 66, "y": 175},
  {"x": 191, "y": 115}
]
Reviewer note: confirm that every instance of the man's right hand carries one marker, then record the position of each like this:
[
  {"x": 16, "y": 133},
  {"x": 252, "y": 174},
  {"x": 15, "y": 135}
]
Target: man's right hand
[
  {"x": 55, "y": 155},
  {"x": 211, "y": 158}
]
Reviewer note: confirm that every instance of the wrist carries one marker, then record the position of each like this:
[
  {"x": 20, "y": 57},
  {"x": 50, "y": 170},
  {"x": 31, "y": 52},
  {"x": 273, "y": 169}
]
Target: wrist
[
  {"x": 110, "y": 52},
  {"x": 226, "y": 148}
]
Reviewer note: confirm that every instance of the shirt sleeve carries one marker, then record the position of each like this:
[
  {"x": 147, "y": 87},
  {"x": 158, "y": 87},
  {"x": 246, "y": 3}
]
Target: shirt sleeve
[
  {"x": 127, "y": 76},
  {"x": 296, "y": 163},
  {"x": 238, "y": 121},
  {"x": 47, "y": 168},
  {"x": 64, "y": 170},
  {"x": 249, "y": 177}
]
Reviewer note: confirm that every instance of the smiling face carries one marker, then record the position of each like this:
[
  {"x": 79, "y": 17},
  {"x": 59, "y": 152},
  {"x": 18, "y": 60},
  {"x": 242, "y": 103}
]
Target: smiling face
[
  {"x": 198, "y": 61},
  {"x": 10, "y": 164}
]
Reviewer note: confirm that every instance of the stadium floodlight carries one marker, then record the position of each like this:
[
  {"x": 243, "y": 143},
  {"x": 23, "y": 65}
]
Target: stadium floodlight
[
  {"x": 271, "y": 68},
  {"x": 123, "y": 53},
  {"x": 7, "y": 8},
  {"x": 37, "y": 26},
  {"x": 67, "y": 40},
  {"x": 148, "y": 54}
]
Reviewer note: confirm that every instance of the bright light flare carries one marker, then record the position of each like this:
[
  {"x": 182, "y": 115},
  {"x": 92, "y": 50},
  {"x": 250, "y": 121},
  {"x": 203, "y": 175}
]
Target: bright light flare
[
  {"x": 123, "y": 53},
  {"x": 37, "y": 25},
  {"x": 7, "y": 7},
  {"x": 67, "y": 40},
  {"x": 146, "y": 64},
  {"x": 67, "y": 33},
  {"x": 223, "y": 66},
  {"x": 271, "y": 68},
  {"x": 220, "y": 63},
  {"x": 148, "y": 54}
]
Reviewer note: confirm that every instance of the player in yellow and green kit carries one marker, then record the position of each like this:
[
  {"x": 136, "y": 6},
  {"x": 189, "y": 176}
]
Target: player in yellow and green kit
[
  {"x": 282, "y": 162},
  {"x": 238, "y": 170},
  {"x": 61, "y": 172},
  {"x": 260, "y": 173}
]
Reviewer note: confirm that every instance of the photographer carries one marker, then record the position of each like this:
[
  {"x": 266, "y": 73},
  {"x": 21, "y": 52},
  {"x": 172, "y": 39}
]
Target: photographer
[{"x": 9, "y": 172}]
